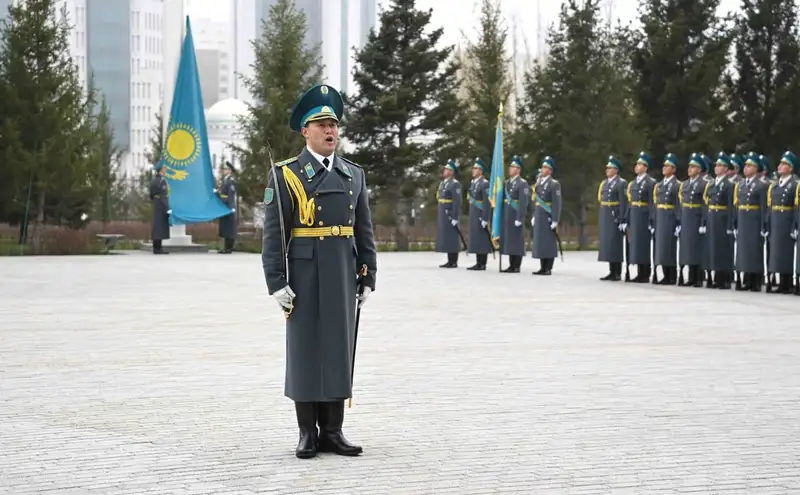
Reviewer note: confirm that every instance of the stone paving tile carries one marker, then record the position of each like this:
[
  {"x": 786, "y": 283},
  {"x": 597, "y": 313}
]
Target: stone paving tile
[{"x": 137, "y": 374}]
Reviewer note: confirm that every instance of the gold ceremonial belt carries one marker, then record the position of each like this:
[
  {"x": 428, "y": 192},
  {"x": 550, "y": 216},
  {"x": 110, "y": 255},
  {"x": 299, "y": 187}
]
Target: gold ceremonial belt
[
  {"x": 782, "y": 208},
  {"x": 665, "y": 207},
  {"x": 609, "y": 203},
  {"x": 332, "y": 231},
  {"x": 691, "y": 205},
  {"x": 223, "y": 196},
  {"x": 749, "y": 207},
  {"x": 717, "y": 207},
  {"x": 641, "y": 204},
  {"x": 445, "y": 201}
]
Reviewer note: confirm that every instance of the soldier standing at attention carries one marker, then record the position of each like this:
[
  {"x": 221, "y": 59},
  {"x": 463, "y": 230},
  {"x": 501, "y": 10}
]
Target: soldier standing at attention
[
  {"x": 640, "y": 218},
  {"x": 668, "y": 221},
  {"x": 735, "y": 177},
  {"x": 705, "y": 265},
  {"x": 750, "y": 225},
  {"x": 227, "y": 224},
  {"x": 719, "y": 223},
  {"x": 783, "y": 222},
  {"x": 159, "y": 195},
  {"x": 692, "y": 222},
  {"x": 480, "y": 211},
  {"x": 546, "y": 214},
  {"x": 324, "y": 203},
  {"x": 448, "y": 197},
  {"x": 517, "y": 196},
  {"x": 612, "y": 198}
]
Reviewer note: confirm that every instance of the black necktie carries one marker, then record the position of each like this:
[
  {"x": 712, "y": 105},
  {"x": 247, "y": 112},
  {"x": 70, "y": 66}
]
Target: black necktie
[{"x": 326, "y": 162}]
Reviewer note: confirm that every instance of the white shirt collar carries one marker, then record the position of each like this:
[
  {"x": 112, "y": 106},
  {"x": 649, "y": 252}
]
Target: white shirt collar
[
  {"x": 784, "y": 180},
  {"x": 320, "y": 158}
]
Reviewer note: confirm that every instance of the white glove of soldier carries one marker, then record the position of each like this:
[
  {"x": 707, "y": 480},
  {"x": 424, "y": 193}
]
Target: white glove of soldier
[
  {"x": 284, "y": 297},
  {"x": 729, "y": 232},
  {"x": 677, "y": 231},
  {"x": 735, "y": 233},
  {"x": 484, "y": 223},
  {"x": 793, "y": 234},
  {"x": 362, "y": 298},
  {"x": 765, "y": 234},
  {"x": 517, "y": 223},
  {"x": 533, "y": 221},
  {"x": 169, "y": 212},
  {"x": 623, "y": 227},
  {"x": 454, "y": 222},
  {"x": 652, "y": 230},
  {"x": 233, "y": 210},
  {"x": 553, "y": 225},
  {"x": 702, "y": 229}
]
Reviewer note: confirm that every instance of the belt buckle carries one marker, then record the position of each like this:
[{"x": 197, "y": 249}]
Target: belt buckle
[{"x": 335, "y": 230}]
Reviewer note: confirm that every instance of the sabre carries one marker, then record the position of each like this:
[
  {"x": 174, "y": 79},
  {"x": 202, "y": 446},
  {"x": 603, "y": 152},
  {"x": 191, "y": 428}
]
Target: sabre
[
  {"x": 286, "y": 312},
  {"x": 464, "y": 242},
  {"x": 361, "y": 274}
]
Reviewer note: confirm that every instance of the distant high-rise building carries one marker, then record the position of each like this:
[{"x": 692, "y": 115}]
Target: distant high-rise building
[{"x": 212, "y": 45}]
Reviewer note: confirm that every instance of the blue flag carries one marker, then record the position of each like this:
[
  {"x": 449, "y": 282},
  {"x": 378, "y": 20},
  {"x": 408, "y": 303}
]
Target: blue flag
[
  {"x": 497, "y": 182},
  {"x": 186, "y": 156}
]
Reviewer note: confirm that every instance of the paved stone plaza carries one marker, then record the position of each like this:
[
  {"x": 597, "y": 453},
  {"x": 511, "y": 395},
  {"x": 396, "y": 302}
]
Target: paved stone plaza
[{"x": 149, "y": 374}]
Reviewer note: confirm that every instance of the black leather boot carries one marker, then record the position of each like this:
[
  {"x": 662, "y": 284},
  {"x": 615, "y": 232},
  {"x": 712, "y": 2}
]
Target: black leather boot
[
  {"x": 698, "y": 276},
  {"x": 710, "y": 280},
  {"x": 307, "y": 422},
  {"x": 452, "y": 261},
  {"x": 616, "y": 271},
  {"x": 610, "y": 272},
  {"x": 480, "y": 262},
  {"x": 514, "y": 262},
  {"x": 331, "y": 438}
]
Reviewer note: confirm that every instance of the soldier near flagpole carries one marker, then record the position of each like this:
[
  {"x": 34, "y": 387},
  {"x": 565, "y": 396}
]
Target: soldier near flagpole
[
  {"x": 692, "y": 222},
  {"x": 641, "y": 215},
  {"x": 227, "y": 224},
  {"x": 612, "y": 199},
  {"x": 448, "y": 213},
  {"x": 159, "y": 196},
  {"x": 480, "y": 212},
  {"x": 517, "y": 194},
  {"x": 718, "y": 199},
  {"x": 782, "y": 238},
  {"x": 317, "y": 239},
  {"x": 750, "y": 225},
  {"x": 667, "y": 222},
  {"x": 546, "y": 215}
]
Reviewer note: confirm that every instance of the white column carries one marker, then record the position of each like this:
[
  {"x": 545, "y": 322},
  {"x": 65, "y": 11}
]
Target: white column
[{"x": 174, "y": 25}]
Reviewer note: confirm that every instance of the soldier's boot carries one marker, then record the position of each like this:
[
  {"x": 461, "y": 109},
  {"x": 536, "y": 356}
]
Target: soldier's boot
[
  {"x": 785, "y": 286},
  {"x": 681, "y": 281},
  {"x": 643, "y": 273},
  {"x": 480, "y": 262},
  {"x": 710, "y": 284},
  {"x": 756, "y": 280},
  {"x": 616, "y": 272},
  {"x": 610, "y": 275},
  {"x": 698, "y": 276},
  {"x": 331, "y": 438},
  {"x": 797, "y": 285},
  {"x": 307, "y": 422},
  {"x": 543, "y": 267},
  {"x": 672, "y": 275},
  {"x": 744, "y": 278},
  {"x": 452, "y": 261}
]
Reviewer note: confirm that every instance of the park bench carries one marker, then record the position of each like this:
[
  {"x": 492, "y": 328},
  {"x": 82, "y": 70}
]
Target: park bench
[{"x": 110, "y": 240}]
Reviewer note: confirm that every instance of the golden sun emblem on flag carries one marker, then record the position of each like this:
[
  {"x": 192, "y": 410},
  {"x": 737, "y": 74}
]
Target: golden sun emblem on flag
[{"x": 182, "y": 149}]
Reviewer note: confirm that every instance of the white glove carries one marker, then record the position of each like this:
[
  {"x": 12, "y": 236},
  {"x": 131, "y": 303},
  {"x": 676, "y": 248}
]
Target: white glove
[
  {"x": 517, "y": 223},
  {"x": 652, "y": 230},
  {"x": 735, "y": 233},
  {"x": 362, "y": 298},
  {"x": 284, "y": 297},
  {"x": 623, "y": 227},
  {"x": 215, "y": 189},
  {"x": 233, "y": 210},
  {"x": 533, "y": 221},
  {"x": 765, "y": 234},
  {"x": 677, "y": 231},
  {"x": 169, "y": 212},
  {"x": 793, "y": 234},
  {"x": 484, "y": 223},
  {"x": 702, "y": 229},
  {"x": 454, "y": 222},
  {"x": 553, "y": 225},
  {"x": 729, "y": 232}
]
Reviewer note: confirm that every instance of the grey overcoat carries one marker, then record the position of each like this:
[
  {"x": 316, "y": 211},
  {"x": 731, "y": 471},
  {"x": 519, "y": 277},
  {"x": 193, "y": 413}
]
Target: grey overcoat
[
  {"x": 692, "y": 210},
  {"x": 159, "y": 195},
  {"x": 752, "y": 217},
  {"x": 517, "y": 196},
  {"x": 719, "y": 224},
  {"x": 782, "y": 222},
  {"x": 448, "y": 197},
  {"x": 546, "y": 209},
  {"x": 479, "y": 241},
  {"x": 227, "y": 193},
  {"x": 668, "y": 211},
  {"x": 641, "y": 216},
  {"x": 612, "y": 198},
  {"x": 329, "y": 243}
]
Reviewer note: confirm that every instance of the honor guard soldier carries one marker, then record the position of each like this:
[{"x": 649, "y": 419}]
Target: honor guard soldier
[
  {"x": 718, "y": 199},
  {"x": 448, "y": 197},
  {"x": 764, "y": 171},
  {"x": 692, "y": 222},
  {"x": 546, "y": 214},
  {"x": 227, "y": 224},
  {"x": 612, "y": 198},
  {"x": 641, "y": 215},
  {"x": 480, "y": 211},
  {"x": 517, "y": 195},
  {"x": 159, "y": 196},
  {"x": 750, "y": 225},
  {"x": 705, "y": 265},
  {"x": 317, "y": 238},
  {"x": 668, "y": 222},
  {"x": 781, "y": 201}
]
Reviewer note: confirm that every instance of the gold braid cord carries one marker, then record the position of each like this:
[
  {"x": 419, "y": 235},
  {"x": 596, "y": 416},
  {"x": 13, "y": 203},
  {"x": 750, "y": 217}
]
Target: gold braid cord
[{"x": 305, "y": 206}]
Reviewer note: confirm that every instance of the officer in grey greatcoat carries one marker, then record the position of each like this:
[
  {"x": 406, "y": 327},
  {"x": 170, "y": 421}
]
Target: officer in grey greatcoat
[
  {"x": 692, "y": 222},
  {"x": 517, "y": 195},
  {"x": 480, "y": 212},
  {"x": 719, "y": 223},
  {"x": 159, "y": 196},
  {"x": 612, "y": 199},
  {"x": 641, "y": 215},
  {"x": 448, "y": 214},
  {"x": 750, "y": 225},
  {"x": 546, "y": 214},
  {"x": 668, "y": 222},
  {"x": 319, "y": 200},
  {"x": 783, "y": 223},
  {"x": 705, "y": 265},
  {"x": 735, "y": 177},
  {"x": 227, "y": 224}
]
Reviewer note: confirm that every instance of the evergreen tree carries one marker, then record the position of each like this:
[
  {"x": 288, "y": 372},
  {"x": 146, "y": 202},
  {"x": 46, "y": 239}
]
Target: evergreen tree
[
  {"x": 284, "y": 69},
  {"x": 47, "y": 119},
  {"x": 106, "y": 157},
  {"x": 404, "y": 110},
  {"x": 764, "y": 100},
  {"x": 578, "y": 107},
  {"x": 680, "y": 60}
]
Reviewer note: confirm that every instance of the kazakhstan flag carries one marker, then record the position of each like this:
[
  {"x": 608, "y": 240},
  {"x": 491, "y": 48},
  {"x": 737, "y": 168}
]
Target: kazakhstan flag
[
  {"x": 186, "y": 156},
  {"x": 497, "y": 182}
]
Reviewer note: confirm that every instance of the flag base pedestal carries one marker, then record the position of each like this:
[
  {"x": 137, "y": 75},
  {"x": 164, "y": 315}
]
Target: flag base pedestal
[{"x": 179, "y": 242}]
